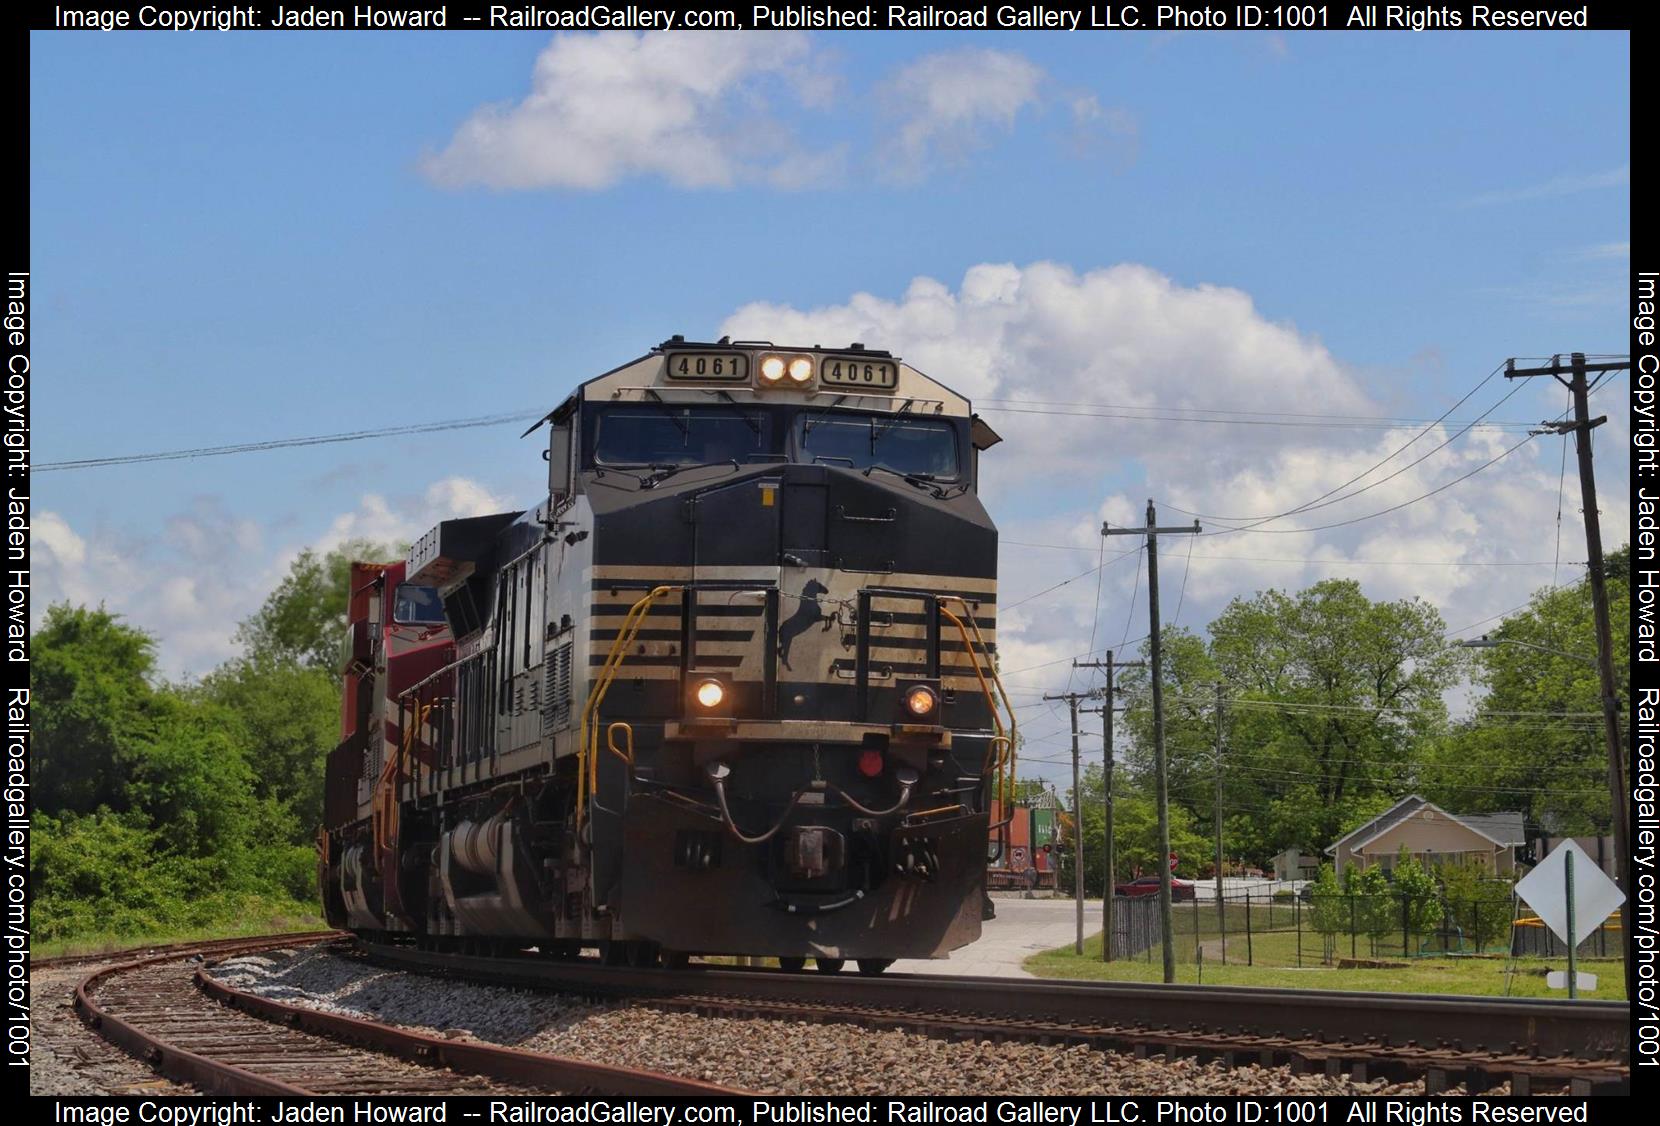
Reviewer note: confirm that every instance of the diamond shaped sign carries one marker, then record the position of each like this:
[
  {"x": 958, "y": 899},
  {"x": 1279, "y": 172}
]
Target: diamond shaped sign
[{"x": 1545, "y": 889}]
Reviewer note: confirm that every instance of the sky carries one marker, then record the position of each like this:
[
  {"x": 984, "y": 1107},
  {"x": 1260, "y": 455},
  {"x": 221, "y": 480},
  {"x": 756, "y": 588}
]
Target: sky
[{"x": 1236, "y": 273}]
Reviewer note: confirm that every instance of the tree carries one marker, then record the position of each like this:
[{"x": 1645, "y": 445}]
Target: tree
[
  {"x": 1420, "y": 896},
  {"x": 90, "y": 689},
  {"x": 286, "y": 717},
  {"x": 1479, "y": 904},
  {"x": 1536, "y": 743},
  {"x": 303, "y": 620},
  {"x": 1135, "y": 833},
  {"x": 1331, "y": 693}
]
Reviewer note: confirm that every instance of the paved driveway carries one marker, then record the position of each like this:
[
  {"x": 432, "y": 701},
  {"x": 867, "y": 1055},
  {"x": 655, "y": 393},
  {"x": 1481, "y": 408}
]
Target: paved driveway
[{"x": 1023, "y": 927}]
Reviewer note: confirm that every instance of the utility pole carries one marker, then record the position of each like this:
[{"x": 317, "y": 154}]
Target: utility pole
[
  {"x": 1072, "y": 699},
  {"x": 1581, "y": 426},
  {"x": 1221, "y": 907},
  {"x": 1108, "y": 861},
  {"x": 1161, "y": 774}
]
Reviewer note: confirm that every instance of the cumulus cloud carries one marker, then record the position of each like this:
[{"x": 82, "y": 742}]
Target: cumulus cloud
[
  {"x": 944, "y": 106},
  {"x": 691, "y": 108},
  {"x": 1118, "y": 384},
  {"x": 208, "y": 569}
]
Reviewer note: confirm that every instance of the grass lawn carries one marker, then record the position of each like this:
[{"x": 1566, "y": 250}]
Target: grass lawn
[
  {"x": 1275, "y": 967},
  {"x": 110, "y": 943}
]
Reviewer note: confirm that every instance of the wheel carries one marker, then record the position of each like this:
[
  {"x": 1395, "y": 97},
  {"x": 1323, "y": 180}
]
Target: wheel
[
  {"x": 829, "y": 965},
  {"x": 871, "y": 967},
  {"x": 613, "y": 953},
  {"x": 642, "y": 955},
  {"x": 676, "y": 959},
  {"x": 792, "y": 965}
]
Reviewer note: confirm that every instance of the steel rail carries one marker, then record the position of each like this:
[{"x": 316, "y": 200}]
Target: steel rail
[
  {"x": 1584, "y": 1045},
  {"x": 475, "y": 1056},
  {"x": 179, "y": 949},
  {"x": 150, "y": 1035}
]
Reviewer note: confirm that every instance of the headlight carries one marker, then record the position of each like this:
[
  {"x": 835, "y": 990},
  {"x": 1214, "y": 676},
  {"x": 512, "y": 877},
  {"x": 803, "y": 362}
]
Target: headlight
[
  {"x": 772, "y": 368},
  {"x": 709, "y": 694},
  {"x": 921, "y": 702},
  {"x": 801, "y": 369}
]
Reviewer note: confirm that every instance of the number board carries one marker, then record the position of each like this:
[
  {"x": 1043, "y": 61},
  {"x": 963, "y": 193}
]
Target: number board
[
  {"x": 725, "y": 367},
  {"x": 858, "y": 371}
]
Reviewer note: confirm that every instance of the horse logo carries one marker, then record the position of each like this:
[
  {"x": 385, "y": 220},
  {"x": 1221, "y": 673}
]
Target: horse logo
[{"x": 808, "y": 613}]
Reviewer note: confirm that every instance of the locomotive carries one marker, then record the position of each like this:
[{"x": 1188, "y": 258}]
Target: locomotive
[{"x": 728, "y": 689}]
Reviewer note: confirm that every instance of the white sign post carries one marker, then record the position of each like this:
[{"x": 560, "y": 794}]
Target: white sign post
[{"x": 1572, "y": 896}]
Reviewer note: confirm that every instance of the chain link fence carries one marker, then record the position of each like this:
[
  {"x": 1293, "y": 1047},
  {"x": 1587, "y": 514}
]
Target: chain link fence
[{"x": 1313, "y": 928}]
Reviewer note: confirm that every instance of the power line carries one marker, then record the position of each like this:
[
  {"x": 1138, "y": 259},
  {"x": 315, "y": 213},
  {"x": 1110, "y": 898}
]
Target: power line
[
  {"x": 1365, "y": 472},
  {"x": 288, "y": 443},
  {"x": 1370, "y": 420},
  {"x": 1382, "y": 511}
]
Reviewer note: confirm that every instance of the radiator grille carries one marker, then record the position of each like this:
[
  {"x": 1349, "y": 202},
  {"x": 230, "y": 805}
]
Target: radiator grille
[{"x": 556, "y": 694}]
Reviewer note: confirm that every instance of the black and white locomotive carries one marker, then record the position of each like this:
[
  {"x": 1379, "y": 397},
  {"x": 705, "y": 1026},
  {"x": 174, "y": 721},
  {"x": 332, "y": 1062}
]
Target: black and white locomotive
[{"x": 728, "y": 690}]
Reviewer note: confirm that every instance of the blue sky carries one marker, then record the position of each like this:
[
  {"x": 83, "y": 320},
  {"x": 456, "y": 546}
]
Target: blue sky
[{"x": 238, "y": 237}]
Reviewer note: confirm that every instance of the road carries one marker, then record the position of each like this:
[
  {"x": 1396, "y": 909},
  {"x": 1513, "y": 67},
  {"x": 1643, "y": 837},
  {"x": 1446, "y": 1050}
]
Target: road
[{"x": 1024, "y": 927}]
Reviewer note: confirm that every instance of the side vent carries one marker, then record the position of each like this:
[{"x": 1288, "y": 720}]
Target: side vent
[{"x": 556, "y": 694}]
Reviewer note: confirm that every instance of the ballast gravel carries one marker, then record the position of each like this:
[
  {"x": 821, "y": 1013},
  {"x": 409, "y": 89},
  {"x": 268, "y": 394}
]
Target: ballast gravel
[{"x": 764, "y": 1055}]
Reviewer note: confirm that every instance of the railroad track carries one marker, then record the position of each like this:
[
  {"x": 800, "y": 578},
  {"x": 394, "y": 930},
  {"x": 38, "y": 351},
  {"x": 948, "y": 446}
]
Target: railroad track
[
  {"x": 165, "y": 1010},
  {"x": 204, "y": 947},
  {"x": 1535, "y": 1046}
]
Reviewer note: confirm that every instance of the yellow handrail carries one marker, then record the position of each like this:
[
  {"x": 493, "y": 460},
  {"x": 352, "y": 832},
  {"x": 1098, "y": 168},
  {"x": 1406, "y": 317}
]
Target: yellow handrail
[
  {"x": 1004, "y": 762},
  {"x": 385, "y": 811},
  {"x": 587, "y": 770},
  {"x": 611, "y": 741}
]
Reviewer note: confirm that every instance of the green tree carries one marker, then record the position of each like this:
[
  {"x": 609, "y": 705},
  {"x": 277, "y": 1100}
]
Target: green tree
[
  {"x": 1373, "y": 907},
  {"x": 1330, "y": 695},
  {"x": 1328, "y": 909},
  {"x": 1420, "y": 896},
  {"x": 1479, "y": 904},
  {"x": 90, "y": 689},
  {"x": 286, "y": 717},
  {"x": 1536, "y": 743},
  {"x": 303, "y": 620}
]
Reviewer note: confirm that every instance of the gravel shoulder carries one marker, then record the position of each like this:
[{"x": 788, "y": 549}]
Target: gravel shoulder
[
  {"x": 68, "y": 1058},
  {"x": 770, "y": 1056}
]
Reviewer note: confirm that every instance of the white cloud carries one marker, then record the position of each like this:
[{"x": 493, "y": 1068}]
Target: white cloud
[
  {"x": 1571, "y": 184},
  {"x": 191, "y": 585},
  {"x": 691, "y": 108},
  {"x": 1106, "y": 361},
  {"x": 1104, "y": 130},
  {"x": 944, "y": 105},
  {"x": 1607, "y": 251}
]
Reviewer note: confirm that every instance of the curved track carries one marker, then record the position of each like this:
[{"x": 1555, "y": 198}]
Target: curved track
[
  {"x": 1480, "y": 1042},
  {"x": 164, "y": 1010}
]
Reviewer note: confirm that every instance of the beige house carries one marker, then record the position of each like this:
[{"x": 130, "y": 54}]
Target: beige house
[{"x": 1432, "y": 836}]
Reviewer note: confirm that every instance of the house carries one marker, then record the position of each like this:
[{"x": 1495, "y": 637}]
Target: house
[
  {"x": 1296, "y": 864},
  {"x": 1432, "y": 836}
]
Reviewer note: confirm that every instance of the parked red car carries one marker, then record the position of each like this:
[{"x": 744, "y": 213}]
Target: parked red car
[{"x": 1180, "y": 889}]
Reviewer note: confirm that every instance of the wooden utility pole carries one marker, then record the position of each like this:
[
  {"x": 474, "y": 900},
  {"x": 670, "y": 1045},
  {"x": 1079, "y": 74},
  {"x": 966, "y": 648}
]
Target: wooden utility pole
[
  {"x": 1072, "y": 699},
  {"x": 1221, "y": 906},
  {"x": 1108, "y": 861},
  {"x": 1161, "y": 774},
  {"x": 1581, "y": 427}
]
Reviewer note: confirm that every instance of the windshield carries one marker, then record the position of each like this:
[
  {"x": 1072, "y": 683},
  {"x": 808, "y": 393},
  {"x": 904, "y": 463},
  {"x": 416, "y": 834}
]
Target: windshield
[
  {"x": 913, "y": 446},
  {"x": 417, "y": 606},
  {"x": 659, "y": 434}
]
